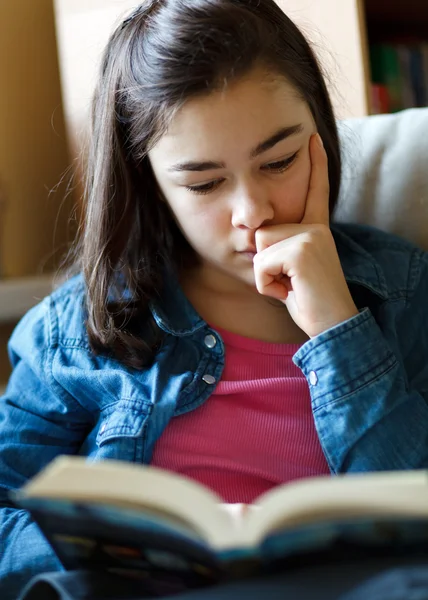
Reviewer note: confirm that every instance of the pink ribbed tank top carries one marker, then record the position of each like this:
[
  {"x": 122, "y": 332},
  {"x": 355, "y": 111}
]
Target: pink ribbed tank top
[{"x": 254, "y": 432}]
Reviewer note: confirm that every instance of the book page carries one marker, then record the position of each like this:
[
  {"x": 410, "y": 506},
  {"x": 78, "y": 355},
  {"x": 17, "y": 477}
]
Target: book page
[
  {"x": 337, "y": 497},
  {"x": 138, "y": 487}
]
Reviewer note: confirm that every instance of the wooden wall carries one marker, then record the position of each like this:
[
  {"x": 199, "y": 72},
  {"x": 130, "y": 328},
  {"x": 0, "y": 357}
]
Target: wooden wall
[{"x": 33, "y": 146}]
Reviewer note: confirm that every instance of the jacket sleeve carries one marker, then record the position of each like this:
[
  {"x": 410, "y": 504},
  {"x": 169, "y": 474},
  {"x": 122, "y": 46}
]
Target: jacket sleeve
[
  {"x": 38, "y": 421},
  {"x": 369, "y": 383}
]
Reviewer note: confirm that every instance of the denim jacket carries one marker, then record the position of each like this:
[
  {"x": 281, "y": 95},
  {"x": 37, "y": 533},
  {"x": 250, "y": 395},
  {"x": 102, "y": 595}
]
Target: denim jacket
[{"x": 368, "y": 382}]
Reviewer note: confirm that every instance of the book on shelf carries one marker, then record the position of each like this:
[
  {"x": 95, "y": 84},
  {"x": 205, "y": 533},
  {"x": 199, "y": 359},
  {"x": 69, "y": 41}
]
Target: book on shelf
[
  {"x": 424, "y": 52},
  {"x": 141, "y": 521},
  {"x": 399, "y": 72},
  {"x": 386, "y": 71},
  {"x": 408, "y": 95}
]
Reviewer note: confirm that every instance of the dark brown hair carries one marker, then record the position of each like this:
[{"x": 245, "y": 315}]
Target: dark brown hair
[{"x": 166, "y": 53}]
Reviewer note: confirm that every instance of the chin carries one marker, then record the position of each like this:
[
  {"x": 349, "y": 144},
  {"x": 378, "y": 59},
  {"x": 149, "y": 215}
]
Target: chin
[{"x": 246, "y": 277}]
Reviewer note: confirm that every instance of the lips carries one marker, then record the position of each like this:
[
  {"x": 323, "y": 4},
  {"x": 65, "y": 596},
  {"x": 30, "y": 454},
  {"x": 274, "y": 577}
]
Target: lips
[{"x": 248, "y": 254}]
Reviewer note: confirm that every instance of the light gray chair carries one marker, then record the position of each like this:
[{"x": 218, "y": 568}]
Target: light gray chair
[{"x": 385, "y": 173}]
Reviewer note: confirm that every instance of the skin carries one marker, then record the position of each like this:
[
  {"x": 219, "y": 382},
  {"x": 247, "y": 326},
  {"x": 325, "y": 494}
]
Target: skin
[{"x": 274, "y": 201}]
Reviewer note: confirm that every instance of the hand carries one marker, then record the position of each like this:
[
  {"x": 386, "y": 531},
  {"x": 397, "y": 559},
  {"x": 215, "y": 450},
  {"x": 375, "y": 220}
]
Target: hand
[{"x": 298, "y": 263}]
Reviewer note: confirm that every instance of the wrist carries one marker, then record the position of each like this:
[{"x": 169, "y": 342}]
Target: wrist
[{"x": 337, "y": 319}]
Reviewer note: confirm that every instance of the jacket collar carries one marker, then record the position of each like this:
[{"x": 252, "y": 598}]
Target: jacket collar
[
  {"x": 174, "y": 314},
  {"x": 172, "y": 310}
]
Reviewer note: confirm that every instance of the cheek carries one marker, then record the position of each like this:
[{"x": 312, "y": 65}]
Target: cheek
[
  {"x": 290, "y": 201},
  {"x": 200, "y": 224}
]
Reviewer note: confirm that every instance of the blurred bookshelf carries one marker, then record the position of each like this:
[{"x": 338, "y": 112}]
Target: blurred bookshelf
[
  {"x": 17, "y": 296},
  {"x": 397, "y": 36},
  {"x": 35, "y": 203}
]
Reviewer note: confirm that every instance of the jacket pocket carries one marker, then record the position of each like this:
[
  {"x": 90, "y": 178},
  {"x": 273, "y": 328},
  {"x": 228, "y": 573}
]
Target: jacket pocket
[{"x": 121, "y": 432}]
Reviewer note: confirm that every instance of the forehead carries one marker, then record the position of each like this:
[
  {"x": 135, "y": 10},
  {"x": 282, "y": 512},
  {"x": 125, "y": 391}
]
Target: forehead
[{"x": 238, "y": 115}]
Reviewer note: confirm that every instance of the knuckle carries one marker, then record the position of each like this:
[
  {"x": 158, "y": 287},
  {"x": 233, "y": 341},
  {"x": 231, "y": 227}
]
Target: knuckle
[
  {"x": 320, "y": 230},
  {"x": 306, "y": 247},
  {"x": 310, "y": 242}
]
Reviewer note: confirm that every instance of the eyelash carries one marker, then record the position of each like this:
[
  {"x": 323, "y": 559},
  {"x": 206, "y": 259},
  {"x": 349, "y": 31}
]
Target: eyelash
[
  {"x": 284, "y": 164},
  {"x": 276, "y": 167}
]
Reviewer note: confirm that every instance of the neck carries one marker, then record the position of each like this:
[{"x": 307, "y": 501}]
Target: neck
[{"x": 240, "y": 308}]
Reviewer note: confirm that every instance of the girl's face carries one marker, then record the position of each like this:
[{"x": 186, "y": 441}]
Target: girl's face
[{"x": 231, "y": 162}]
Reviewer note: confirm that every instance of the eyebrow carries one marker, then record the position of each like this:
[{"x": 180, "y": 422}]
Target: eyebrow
[{"x": 207, "y": 165}]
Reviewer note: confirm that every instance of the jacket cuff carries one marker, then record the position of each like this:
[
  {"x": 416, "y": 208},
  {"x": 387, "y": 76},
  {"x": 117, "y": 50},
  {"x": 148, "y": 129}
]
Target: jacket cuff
[{"x": 345, "y": 358}]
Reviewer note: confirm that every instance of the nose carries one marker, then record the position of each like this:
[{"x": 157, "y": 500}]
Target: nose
[{"x": 251, "y": 208}]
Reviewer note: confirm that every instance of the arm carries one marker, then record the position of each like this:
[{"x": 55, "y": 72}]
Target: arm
[
  {"x": 370, "y": 393},
  {"x": 38, "y": 421}
]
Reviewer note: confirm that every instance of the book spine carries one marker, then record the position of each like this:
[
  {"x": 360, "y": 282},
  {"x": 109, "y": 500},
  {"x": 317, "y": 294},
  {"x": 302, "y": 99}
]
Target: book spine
[
  {"x": 408, "y": 99},
  {"x": 417, "y": 76},
  {"x": 424, "y": 53},
  {"x": 380, "y": 99}
]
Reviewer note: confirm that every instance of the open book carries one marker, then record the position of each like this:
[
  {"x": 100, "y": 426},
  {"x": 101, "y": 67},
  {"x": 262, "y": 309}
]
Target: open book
[{"x": 140, "y": 519}]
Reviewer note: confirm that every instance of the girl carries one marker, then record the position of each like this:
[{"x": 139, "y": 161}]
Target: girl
[{"x": 220, "y": 327}]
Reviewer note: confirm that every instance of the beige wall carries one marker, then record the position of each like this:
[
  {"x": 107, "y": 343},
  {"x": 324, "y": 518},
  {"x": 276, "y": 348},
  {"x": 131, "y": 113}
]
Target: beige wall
[
  {"x": 83, "y": 28},
  {"x": 336, "y": 28},
  {"x": 33, "y": 150}
]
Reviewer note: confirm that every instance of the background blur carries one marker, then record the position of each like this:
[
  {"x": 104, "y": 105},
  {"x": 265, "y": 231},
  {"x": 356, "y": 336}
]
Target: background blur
[{"x": 375, "y": 55}]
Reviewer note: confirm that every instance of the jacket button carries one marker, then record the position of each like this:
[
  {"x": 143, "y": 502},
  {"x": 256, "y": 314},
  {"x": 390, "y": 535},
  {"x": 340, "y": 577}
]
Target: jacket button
[
  {"x": 208, "y": 379},
  {"x": 210, "y": 341},
  {"x": 103, "y": 428},
  {"x": 313, "y": 378}
]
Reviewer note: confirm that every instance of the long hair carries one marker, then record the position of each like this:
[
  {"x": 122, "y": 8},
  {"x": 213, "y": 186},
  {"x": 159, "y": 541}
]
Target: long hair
[{"x": 166, "y": 52}]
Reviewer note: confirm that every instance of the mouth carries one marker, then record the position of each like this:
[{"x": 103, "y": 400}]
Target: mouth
[{"x": 248, "y": 254}]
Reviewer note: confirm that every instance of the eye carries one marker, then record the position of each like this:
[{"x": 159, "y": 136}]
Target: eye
[
  {"x": 205, "y": 188},
  {"x": 281, "y": 165}
]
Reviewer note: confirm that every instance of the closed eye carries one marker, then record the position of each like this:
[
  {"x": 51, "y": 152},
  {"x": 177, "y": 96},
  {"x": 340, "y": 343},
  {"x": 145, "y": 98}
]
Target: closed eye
[
  {"x": 275, "y": 167},
  {"x": 280, "y": 166},
  {"x": 204, "y": 188}
]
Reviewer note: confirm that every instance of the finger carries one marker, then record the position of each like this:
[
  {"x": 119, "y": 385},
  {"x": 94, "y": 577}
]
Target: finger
[
  {"x": 270, "y": 278},
  {"x": 275, "y": 289},
  {"x": 317, "y": 201},
  {"x": 272, "y": 234}
]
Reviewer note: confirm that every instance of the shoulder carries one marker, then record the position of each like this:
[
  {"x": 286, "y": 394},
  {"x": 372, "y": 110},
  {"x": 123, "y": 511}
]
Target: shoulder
[
  {"x": 373, "y": 238},
  {"x": 398, "y": 265},
  {"x": 57, "y": 319}
]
